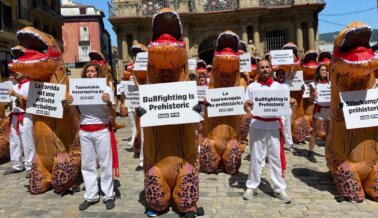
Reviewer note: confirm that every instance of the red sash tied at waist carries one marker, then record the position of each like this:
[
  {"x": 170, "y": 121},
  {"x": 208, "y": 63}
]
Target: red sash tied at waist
[
  {"x": 20, "y": 118},
  {"x": 113, "y": 142},
  {"x": 282, "y": 140}
]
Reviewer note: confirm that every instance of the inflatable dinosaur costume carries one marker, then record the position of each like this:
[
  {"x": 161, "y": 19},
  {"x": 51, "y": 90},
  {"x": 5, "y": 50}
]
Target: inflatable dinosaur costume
[
  {"x": 4, "y": 135},
  {"x": 325, "y": 58},
  {"x": 352, "y": 155},
  {"x": 169, "y": 151},
  {"x": 222, "y": 146},
  {"x": 57, "y": 159}
]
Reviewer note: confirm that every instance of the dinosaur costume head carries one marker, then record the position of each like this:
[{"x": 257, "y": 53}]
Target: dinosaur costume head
[
  {"x": 294, "y": 48},
  {"x": 167, "y": 44},
  {"x": 325, "y": 58},
  {"x": 226, "y": 62},
  {"x": 309, "y": 64},
  {"x": 253, "y": 74},
  {"x": 38, "y": 55},
  {"x": 140, "y": 76}
]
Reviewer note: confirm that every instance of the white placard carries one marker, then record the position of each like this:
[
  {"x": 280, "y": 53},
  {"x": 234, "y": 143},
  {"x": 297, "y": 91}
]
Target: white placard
[
  {"x": 297, "y": 82},
  {"x": 192, "y": 64},
  {"x": 4, "y": 88},
  {"x": 45, "y": 99},
  {"x": 225, "y": 101},
  {"x": 87, "y": 91},
  {"x": 168, "y": 103},
  {"x": 360, "y": 108},
  {"x": 131, "y": 94},
  {"x": 306, "y": 93},
  {"x": 245, "y": 63},
  {"x": 141, "y": 61},
  {"x": 120, "y": 88},
  {"x": 201, "y": 92},
  {"x": 271, "y": 103},
  {"x": 282, "y": 57},
  {"x": 324, "y": 92}
]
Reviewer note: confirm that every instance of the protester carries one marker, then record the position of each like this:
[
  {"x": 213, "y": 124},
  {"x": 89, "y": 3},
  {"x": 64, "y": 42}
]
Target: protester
[
  {"x": 21, "y": 134},
  {"x": 265, "y": 139},
  {"x": 321, "y": 114},
  {"x": 95, "y": 140}
]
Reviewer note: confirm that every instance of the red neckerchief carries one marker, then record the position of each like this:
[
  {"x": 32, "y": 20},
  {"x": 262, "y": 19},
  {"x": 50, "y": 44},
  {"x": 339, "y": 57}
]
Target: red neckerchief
[
  {"x": 323, "y": 81},
  {"x": 113, "y": 142},
  {"x": 22, "y": 82},
  {"x": 267, "y": 83},
  {"x": 282, "y": 140}
]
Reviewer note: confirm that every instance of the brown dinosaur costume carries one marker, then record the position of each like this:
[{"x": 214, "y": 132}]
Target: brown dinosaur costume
[
  {"x": 57, "y": 159},
  {"x": 169, "y": 151},
  {"x": 253, "y": 76},
  {"x": 325, "y": 58},
  {"x": 352, "y": 155},
  {"x": 4, "y": 135},
  {"x": 222, "y": 146}
]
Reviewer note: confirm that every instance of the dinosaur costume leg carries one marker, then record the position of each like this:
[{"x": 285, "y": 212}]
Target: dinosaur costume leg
[
  {"x": 186, "y": 191},
  {"x": 157, "y": 190},
  {"x": 348, "y": 181},
  {"x": 209, "y": 157},
  {"x": 371, "y": 183},
  {"x": 232, "y": 157}
]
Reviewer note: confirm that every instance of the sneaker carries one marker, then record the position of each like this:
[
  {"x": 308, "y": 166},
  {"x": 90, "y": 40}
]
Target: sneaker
[
  {"x": 311, "y": 157},
  {"x": 86, "y": 204},
  {"x": 293, "y": 150},
  {"x": 283, "y": 197},
  {"x": 140, "y": 166},
  {"x": 110, "y": 204},
  {"x": 131, "y": 143},
  {"x": 27, "y": 175},
  {"x": 248, "y": 194},
  {"x": 11, "y": 170},
  {"x": 151, "y": 213}
]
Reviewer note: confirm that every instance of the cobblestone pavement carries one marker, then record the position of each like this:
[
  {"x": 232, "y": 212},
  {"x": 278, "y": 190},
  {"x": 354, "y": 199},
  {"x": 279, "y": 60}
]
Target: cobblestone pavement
[{"x": 309, "y": 185}]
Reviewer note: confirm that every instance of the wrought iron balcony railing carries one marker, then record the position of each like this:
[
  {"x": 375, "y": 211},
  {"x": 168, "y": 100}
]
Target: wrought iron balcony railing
[
  {"x": 270, "y": 3},
  {"x": 23, "y": 13}
]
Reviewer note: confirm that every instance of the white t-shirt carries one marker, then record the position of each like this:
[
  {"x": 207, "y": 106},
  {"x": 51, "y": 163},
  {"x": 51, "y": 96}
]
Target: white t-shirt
[
  {"x": 259, "y": 124},
  {"x": 96, "y": 114},
  {"x": 312, "y": 84},
  {"x": 24, "y": 91}
]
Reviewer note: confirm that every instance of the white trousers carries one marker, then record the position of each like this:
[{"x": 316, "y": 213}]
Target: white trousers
[
  {"x": 265, "y": 143},
  {"x": 141, "y": 156},
  {"x": 287, "y": 130},
  {"x": 131, "y": 115},
  {"x": 22, "y": 144},
  {"x": 96, "y": 144}
]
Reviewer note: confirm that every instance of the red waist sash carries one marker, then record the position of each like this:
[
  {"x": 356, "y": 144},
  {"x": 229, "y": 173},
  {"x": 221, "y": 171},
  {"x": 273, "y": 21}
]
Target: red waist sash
[{"x": 20, "y": 118}]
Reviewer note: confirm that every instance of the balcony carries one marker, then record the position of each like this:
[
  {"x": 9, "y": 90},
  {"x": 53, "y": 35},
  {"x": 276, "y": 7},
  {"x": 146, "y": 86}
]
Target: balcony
[
  {"x": 43, "y": 6},
  {"x": 275, "y": 3},
  {"x": 24, "y": 15}
]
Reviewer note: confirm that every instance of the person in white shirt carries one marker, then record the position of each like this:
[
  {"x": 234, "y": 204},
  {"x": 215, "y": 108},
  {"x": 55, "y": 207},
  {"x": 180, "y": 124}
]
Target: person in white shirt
[
  {"x": 96, "y": 143},
  {"x": 21, "y": 133},
  {"x": 265, "y": 139},
  {"x": 322, "y": 110}
]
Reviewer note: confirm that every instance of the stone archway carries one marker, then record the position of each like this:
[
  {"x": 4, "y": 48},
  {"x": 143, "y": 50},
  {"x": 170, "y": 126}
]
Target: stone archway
[{"x": 207, "y": 48}]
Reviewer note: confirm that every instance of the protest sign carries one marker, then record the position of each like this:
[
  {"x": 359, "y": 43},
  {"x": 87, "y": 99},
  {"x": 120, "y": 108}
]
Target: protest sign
[
  {"x": 45, "y": 99},
  {"x": 87, "y": 91},
  {"x": 306, "y": 93},
  {"x": 225, "y": 101},
  {"x": 168, "y": 103},
  {"x": 201, "y": 92},
  {"x": 4, "y": 88},
  {"x": 324, "y": 92},
  {"x": 297, "y": 82},
  {"x": 131, "y": 94},
  {"x": 271, "y": 102},
  {"x": 360, "y": 108},
  {"x": 192, "y": 64},
  {"x": 245, "y": 63},
  {"x": 141, "y": 61},
  {"x": 282, "y": 57},
  {"x": 120, "y": 88}
]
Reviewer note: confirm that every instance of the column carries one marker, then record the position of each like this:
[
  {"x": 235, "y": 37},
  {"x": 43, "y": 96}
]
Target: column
[
  {"x": 256, "y": 39},
  {"x": 311, "y": 35},
  {"x": 125, "y": 52},
  {"x": 186, "y": 40},
  {"x": 244, "y": 34},
  {"x": 299, "y": 37}
]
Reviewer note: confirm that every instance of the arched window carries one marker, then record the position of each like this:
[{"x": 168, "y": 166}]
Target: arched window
[{"x": 274, "y": 40}]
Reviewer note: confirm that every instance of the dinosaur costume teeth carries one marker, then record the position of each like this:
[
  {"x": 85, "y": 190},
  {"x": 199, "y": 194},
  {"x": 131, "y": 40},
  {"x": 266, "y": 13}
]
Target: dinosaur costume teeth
[
  {"x": 57, "y": 159},
  {"x": 222, "y": 144},
  {"x": 352, "y": 155},
  {"x": 170, "y": 152}
]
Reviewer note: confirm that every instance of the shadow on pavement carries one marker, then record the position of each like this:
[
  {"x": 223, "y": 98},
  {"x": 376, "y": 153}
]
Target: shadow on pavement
[{"x": 321, "y": 181}]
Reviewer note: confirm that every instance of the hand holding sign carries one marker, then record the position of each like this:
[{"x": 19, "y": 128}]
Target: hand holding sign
[{"x": 87, "y": 91}]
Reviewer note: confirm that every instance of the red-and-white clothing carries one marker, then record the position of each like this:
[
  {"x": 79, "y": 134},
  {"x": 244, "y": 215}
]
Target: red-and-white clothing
[
  {"x": 322, "y": 110},
  {"x": 21, "y": 133},
  {"x": 265, "y": 142},
  {"x": 96, "y": 145}
]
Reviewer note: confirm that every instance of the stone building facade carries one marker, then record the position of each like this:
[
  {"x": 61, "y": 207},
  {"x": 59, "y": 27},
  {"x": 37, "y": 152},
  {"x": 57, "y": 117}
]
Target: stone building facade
[
  {"x": 264, "y": 24},
  {"x": 17, "y": 14}
]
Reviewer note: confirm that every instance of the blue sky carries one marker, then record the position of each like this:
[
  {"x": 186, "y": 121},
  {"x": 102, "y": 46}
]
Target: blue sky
[{"x": 326, "y": 23}]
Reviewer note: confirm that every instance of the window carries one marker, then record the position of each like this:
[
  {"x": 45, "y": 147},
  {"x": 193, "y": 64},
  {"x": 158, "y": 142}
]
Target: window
[
  {"x": 274, "y": 40},
  {"x": 83, "y": 53},
  {"x": 6, "y": 17},
  {"x": 83, "y": 10},
  {"x": 84, "y": 33},
  {"x": 250, "y": 34}
]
